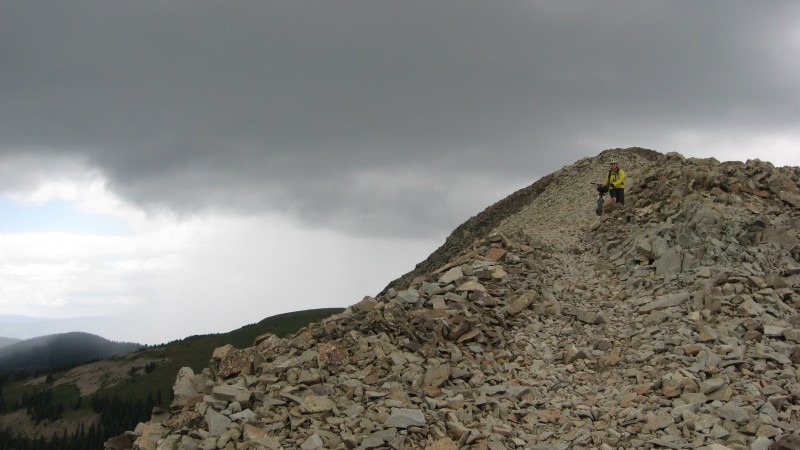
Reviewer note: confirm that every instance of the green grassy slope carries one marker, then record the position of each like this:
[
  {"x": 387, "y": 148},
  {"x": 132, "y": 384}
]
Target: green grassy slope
[
  {"x": 195, "y": 351},
  {"x": 131, "y": 380}
]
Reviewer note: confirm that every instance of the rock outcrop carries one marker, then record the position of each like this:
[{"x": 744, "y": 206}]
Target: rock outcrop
[{"x": 671, "y": 322}]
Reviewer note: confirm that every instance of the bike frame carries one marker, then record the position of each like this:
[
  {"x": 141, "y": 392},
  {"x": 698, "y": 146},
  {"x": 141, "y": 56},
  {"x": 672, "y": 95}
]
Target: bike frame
[{"x": 601, "y": 193}]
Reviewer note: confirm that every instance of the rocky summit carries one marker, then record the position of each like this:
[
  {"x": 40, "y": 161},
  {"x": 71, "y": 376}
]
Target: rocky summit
[{"x": 669, "y": 322}]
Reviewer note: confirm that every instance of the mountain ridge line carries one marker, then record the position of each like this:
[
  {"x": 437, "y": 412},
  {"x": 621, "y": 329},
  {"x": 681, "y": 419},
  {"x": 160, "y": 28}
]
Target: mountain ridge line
[{"x": 669, "y": 322}]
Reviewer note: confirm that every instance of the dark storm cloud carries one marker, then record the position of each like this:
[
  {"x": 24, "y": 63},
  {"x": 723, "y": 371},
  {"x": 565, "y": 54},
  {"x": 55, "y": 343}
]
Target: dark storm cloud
[{"x": 255, "y": 105}]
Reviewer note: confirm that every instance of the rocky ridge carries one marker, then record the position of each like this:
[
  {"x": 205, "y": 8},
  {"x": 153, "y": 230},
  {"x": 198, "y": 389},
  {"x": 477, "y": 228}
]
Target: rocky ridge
[{"x": 671, "y": 322}]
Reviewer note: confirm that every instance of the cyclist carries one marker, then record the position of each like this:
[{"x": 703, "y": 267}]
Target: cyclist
[{"x": 615, "y": 180}]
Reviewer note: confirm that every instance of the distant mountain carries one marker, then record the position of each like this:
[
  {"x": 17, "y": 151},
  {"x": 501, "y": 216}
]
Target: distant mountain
[
  {"x": 104, "y": 398},
  {"x": 59, "y": 350},
  {"x": 5, "y": 341},
  {"x": 26, "y": 327},
  {"x": 18, "y": 327}
]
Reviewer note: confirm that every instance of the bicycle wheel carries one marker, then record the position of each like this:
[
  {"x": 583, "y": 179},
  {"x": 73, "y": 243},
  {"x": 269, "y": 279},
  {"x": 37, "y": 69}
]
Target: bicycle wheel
[{"x": 598, "y": 210}]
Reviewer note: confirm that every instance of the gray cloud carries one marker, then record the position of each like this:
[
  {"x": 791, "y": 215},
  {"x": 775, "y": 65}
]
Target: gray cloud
[{"x": 286, "y": 105}]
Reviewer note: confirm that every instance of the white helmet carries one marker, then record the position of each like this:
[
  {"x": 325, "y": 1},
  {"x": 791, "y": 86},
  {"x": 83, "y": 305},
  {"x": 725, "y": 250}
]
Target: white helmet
[{"x": 614, "y": 161}]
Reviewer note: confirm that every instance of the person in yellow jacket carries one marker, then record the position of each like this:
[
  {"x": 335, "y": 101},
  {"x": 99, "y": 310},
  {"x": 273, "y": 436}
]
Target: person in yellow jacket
[{"x": 616, "y": 182}]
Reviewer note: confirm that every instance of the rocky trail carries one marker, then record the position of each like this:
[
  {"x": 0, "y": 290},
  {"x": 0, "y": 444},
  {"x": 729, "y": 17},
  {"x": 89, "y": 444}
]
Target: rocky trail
[{"x": 671, "y": 322}]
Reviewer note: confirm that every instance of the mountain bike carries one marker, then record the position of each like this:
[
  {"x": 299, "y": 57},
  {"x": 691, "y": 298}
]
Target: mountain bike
[{"x": 602, "y": 189}]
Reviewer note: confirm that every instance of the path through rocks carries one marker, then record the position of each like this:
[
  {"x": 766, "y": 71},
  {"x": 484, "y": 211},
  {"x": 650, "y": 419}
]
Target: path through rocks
[{"x": 669, "y": 323}]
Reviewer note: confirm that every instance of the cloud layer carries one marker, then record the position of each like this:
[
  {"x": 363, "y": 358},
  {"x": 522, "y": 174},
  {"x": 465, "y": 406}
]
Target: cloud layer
[
  {"x": 365, "y": 115},
  {"x": 270, "y": 156}
]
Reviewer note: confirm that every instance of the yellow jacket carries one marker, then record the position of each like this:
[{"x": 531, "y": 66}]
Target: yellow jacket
[{"x": 616, "y": 179}]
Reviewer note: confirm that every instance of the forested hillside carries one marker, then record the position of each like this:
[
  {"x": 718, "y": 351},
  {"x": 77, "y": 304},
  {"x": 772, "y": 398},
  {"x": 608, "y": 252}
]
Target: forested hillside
[
  {"x": 59, "y": 351},
  {"x": 82, "y": 407}
]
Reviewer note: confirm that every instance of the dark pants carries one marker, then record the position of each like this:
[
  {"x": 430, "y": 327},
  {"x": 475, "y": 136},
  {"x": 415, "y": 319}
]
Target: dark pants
[{"x": 618, "y": 194}]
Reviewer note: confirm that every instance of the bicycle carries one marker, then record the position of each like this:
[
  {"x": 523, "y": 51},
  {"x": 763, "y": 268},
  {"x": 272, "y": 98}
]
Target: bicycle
[{"x": 602, "y": 189}]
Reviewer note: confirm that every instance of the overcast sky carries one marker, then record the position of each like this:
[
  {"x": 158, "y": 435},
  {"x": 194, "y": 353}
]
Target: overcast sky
[{"x": 191, "y": 166}]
